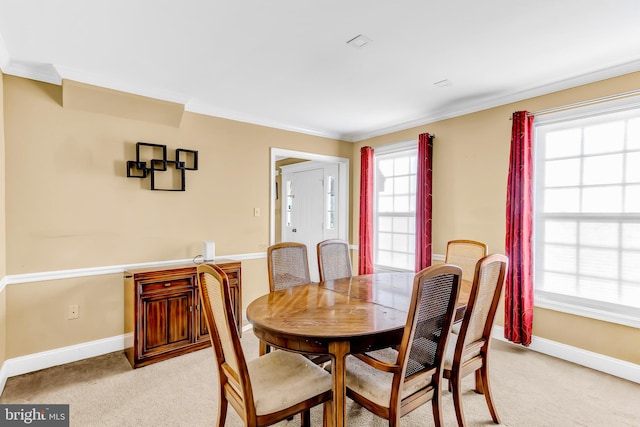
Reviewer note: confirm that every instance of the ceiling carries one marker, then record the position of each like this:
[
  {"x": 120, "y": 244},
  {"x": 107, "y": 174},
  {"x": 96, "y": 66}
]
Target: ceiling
[{"x": 287, "y": 64}]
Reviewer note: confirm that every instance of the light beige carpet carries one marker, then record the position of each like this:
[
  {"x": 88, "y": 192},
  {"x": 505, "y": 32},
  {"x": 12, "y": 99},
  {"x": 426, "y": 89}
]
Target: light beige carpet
[{"x": 530, "y": 389}]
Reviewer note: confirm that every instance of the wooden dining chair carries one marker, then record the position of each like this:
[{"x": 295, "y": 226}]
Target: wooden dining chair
[
  {"x": 334, "y": 259},
  {"x": 468, "y": 351},
  {"x": 288, "y": 265},
  {"x": 265, "y": 390},
  {"x": 394, "y": 381},
  {"x": 466, "y": 254}
]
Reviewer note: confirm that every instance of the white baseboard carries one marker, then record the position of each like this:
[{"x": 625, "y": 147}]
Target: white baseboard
[
  {"x": 47, "y": 359},
  {"x": 616, "y": 367}
]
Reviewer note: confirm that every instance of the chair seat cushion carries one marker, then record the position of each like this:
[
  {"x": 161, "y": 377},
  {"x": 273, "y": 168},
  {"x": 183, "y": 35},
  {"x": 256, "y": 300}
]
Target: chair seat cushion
[
  {"x": 451, "y": 349},
  {"x": 374, "y": 384},
  {"x": 455, "y": 328},
  {"x": 281, "y": 379}
]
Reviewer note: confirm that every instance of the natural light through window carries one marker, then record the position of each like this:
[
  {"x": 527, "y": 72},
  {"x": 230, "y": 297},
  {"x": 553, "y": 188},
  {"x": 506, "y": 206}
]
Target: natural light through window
[
  {"x": 587, "y": 216},
  {"x": 395, "y": 206}
]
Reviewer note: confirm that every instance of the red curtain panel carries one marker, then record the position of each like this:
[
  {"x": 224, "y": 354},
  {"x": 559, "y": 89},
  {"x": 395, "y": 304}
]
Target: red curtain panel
[
  {"x": 365, "y": 238},
  {"x": 518, "y": 299},
  {"x": 423, "y": 201}
]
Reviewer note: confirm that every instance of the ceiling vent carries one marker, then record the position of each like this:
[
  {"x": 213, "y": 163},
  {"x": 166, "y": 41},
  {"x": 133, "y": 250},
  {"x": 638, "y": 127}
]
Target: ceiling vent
[{"x": 359, "y": 41}]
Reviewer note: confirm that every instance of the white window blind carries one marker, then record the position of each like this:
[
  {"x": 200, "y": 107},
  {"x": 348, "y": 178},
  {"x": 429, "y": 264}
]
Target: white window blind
[{"x": 587, "y": 212}]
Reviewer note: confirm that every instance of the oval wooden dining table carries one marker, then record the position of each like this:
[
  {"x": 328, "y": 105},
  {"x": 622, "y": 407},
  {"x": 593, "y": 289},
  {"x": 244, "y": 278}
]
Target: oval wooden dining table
[{"x": 338, "y": 317}]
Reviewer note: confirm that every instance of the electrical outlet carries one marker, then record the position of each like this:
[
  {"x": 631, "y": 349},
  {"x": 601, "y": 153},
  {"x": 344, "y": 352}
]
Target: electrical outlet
[{"x": 73, "y": 312}]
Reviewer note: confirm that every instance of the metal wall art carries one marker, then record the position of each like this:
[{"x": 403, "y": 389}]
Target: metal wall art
[{"x": 185, "y": 160}]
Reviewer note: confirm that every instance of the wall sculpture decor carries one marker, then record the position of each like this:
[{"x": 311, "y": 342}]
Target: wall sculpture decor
[{"x": 185, "y": 160}]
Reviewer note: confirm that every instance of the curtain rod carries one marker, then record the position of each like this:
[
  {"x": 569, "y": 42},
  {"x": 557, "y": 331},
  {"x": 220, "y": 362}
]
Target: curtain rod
[{"x": 585, "y": 103}]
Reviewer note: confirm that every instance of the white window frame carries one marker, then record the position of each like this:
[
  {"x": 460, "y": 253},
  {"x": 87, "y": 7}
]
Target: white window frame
[
  {"x": 615, "y": 313},
  {"x": 384, "y": 150}
]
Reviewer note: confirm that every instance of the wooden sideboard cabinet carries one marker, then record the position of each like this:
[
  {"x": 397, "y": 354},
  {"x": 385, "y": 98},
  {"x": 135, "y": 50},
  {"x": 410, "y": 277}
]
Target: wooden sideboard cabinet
[{"x": 162, "y": 315}]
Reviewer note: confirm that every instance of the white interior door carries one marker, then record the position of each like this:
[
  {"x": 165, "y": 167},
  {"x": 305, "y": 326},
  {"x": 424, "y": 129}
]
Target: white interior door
[{"x": 304, "y": 212}]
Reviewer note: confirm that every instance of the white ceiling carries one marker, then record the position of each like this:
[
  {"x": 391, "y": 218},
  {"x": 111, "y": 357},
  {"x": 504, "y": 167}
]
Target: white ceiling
[{"x": 286, "y": 63}]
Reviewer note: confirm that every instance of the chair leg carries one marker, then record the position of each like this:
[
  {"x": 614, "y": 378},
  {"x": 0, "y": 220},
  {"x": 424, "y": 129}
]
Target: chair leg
[
  {"x": 436, "y": 404},
  {"x": 484, "y": 372},
  {"x": 222, "y": 410},
  {"x": 479, "y": 386},
  {"x": 457, "y": 399},
  {"x": 326, "y": 414},
  {"x": 305, "y": 418}
]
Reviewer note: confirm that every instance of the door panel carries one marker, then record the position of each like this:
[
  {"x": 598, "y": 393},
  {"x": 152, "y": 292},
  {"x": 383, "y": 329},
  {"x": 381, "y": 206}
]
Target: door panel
[{"x": 306, "y": 207}]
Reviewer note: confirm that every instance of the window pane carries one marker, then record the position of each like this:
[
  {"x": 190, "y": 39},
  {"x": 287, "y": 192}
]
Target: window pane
[
  {"x": 401, "y": 204},
  {"x": 560, "y": 231},
  {"x": 598, "y": 289},
  {"x": 413, "y": 164},
  {"x": 630, "y": 293},
  {"x": 385, "y": 223},
  {"x": 401, "y": 185},
  {"x": 631, "y": 267},
  {"x": 603, "y": 169},
  {"x": 560, "y": 283},
  {"x": 598, "y": 262},
  {"x": 632, "y": 167},
  {"x": 400, "y": 225},
  {"x": 402, "y": 166},
  {"x": 384, "y": 257},
  {"x": 633, "y": 134},
  {"x": 385, "y": 204},
  {"x": 601, "y": 234},
  {"x": 631, "y": 236},
  {"x": 632, "y": 199},
  {"x": 560, "y": 173},
  {"x": 384, "y": 241},
  {"x": 562, "y": 200},
  {"x": 385, "y": 167},
  {"x": 400, "y": 243},
  {"x": 560, "y": 258},
  {"x": 604, "y": 138},
  {"x": 602, "y": 199},
  {"x": 563, "y": 143}
]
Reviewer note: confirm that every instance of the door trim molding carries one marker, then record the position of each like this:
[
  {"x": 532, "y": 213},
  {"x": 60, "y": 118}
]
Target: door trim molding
[{"x": 343, "y": 172}]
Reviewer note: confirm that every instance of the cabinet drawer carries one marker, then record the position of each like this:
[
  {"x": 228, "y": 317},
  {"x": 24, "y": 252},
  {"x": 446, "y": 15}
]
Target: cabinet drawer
[{"x": 166, "y": 285}]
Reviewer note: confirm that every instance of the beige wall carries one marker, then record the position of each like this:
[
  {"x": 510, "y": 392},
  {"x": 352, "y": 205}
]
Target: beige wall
[
  {"x": 470, "y": 169},
  {"x": 3, "y": 252},
  {"x": 70, "y": 205}
]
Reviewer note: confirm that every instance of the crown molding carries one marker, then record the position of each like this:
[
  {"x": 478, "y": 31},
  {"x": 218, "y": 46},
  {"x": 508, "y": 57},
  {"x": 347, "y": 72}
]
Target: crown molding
[
  {"x": 461, "y": 109},
  {"x": 54, "y": 74},
  {"x": 210, "y": 110}
]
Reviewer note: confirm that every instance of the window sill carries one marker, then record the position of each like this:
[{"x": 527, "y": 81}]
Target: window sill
[{"x": 566, "y": 307}]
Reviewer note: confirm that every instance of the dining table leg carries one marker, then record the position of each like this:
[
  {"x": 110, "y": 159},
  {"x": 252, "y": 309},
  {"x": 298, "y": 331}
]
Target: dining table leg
[{"x": 339, "y": 351}]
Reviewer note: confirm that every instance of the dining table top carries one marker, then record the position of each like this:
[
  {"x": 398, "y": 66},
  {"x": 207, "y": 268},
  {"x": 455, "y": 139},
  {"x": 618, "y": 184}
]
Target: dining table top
[{"x": 343, "y": 308}]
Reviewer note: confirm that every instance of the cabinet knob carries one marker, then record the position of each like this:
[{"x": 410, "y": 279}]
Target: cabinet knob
[{"x": 166, "y": 285}]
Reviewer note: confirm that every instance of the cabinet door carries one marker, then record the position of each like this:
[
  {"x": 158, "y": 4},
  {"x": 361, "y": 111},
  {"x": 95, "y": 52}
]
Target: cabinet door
[
  {"x": 233, "y": 271},
  {"x": 167, "y": 321}
]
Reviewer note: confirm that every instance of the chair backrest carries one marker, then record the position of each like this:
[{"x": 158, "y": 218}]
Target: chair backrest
[
  {"x": 466, "y": 254},
  {"x": 213, "y": 286},
  {"x": 429, "y": 320},
  {"x": 288, "y": 265},
  {"x": 488, "y": 281},
  {"x": 334, "y": 259}
]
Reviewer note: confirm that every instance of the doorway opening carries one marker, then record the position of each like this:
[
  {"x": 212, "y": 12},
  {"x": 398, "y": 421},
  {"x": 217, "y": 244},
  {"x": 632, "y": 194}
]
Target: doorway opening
[{"x": 331, "y": 203}]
